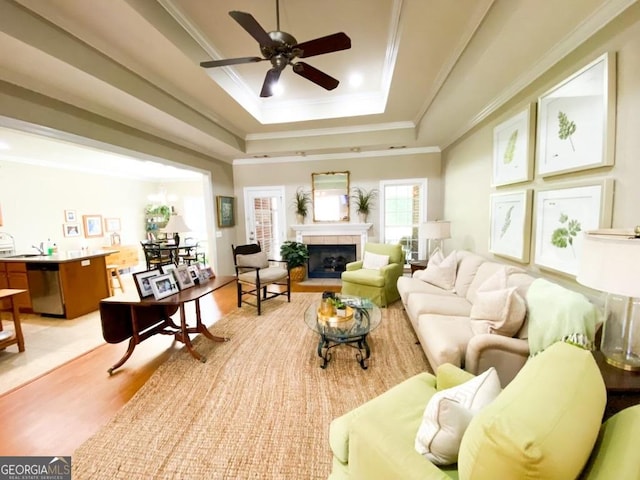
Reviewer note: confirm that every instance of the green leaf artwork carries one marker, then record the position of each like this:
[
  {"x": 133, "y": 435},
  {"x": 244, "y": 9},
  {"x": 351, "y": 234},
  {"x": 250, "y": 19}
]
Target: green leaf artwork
[
  {"x": 507, "y": 221},
  {"x": 511, "y": 148},
  {"x": 567, "y": 128},
  {"x": 563, "y": 236}
]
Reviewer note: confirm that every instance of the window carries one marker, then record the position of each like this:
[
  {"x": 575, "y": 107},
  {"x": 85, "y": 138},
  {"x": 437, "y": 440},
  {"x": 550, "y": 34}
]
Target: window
[{"x": 403, "y": 210}]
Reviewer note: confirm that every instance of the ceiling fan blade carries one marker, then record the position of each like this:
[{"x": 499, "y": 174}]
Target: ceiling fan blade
[
  {"x": 252, "y": 26},
  {"x": 269, "y": 81},
  {"x": 328, "y": 44},
  {"x": 230, "y": 61},
  {"x": 316, "y": 76}
]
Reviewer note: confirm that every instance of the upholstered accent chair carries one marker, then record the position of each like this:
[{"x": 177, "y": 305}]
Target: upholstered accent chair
[
  {"x": 376, "y": 275},
  {"x": 255, "y": 272}
]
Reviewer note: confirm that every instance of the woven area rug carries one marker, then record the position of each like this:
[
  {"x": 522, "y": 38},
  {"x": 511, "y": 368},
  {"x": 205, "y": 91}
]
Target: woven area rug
[{"x": 260, "y": 407}]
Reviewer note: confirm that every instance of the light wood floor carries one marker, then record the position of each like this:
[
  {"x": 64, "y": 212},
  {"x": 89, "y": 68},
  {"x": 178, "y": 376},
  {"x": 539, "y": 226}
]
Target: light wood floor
[{"x": 57, "y": 412}]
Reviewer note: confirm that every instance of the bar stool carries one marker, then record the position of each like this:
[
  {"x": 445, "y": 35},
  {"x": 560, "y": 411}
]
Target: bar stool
[{"x": 114, "y": 279}]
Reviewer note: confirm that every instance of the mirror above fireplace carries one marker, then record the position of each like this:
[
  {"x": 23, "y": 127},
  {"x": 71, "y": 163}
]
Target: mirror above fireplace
[{"x": 330, "y": 192}]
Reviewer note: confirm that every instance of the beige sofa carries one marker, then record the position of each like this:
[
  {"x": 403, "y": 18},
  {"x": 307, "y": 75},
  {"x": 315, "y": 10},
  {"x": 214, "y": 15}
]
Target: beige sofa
[{"x": 442, "y": 324}]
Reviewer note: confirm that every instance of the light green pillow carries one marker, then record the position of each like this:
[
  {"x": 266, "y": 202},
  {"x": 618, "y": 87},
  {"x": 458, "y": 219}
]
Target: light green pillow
[
  {"x": 616, "y": 452},
  {"x": 544, "y": 424}
]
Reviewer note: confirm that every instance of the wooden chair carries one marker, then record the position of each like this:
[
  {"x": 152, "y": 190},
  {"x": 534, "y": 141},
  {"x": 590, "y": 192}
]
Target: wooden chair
[
  {"x": 156, "y": 256},
  {"x": 254, "y": 273}
]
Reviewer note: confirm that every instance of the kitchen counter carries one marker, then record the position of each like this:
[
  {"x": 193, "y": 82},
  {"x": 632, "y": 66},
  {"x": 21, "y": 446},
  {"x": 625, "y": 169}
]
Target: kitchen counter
[
  {"x": 64, "y": 285},
  {"x": 63, "y": 257}
]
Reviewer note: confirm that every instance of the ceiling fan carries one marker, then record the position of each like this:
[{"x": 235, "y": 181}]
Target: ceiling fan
[{"x": 281, "y": 48}]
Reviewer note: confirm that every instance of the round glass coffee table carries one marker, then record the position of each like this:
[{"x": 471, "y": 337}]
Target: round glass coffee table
[{"x": 365, "y": 316}]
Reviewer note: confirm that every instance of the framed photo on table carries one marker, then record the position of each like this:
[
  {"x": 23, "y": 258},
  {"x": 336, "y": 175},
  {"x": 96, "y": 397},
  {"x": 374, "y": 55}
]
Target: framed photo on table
[
  {"x": 226, "y": 214},
  {"x": 184, "y": 277},
  {"x": 92, "y": 225},
  {"x": 576, "y": 120},
  {"x": 562, "y": 215},
  {"x": 163, "y": 286},
  {"x": 510, "y": 234},
  {"x": 513, "y": 147},
  {"x": 143, "y": 282}
]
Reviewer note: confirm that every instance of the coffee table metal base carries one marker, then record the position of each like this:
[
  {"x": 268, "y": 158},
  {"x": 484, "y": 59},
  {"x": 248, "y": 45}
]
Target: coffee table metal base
[{"x": 327, "y": 342}]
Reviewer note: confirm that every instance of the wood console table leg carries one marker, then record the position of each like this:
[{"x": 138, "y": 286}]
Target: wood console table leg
[
  {"x": 184, "y": 333},
  {"x": 201, "y": 328}
]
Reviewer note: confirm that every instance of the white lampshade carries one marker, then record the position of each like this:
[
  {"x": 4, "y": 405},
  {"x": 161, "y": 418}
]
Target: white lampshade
[
  {"x": 176, "y": 225},
  {"x": 610, "y": 262},
  {"x": 435, "y": 230}
]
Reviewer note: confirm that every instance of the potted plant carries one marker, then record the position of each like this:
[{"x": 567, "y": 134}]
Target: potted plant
[
  {"x": 296, "y": 255},
  {"x": 301, "y": 202},
  {"x": 363, "y": 200}
]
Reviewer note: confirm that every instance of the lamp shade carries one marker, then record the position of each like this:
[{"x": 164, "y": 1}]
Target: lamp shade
[
  {"x": 435, "y": 230},
  {"x": 610, "y": 262},
  {"x": 176, "y": 225}
]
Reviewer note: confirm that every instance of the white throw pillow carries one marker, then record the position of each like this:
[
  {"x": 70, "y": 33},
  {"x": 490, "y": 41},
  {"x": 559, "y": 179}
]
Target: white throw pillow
[
  {"x": 374, "y": 261},
  {"x": 255, "y": 260},
  {"x": 497, "y": 308},
  {"x": 448, "y": 414},
  {"x": 440, "y": 271}
]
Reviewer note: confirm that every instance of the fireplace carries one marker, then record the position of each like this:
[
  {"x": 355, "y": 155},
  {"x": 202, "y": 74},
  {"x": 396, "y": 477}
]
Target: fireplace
[{"x": 329, "y": 261}]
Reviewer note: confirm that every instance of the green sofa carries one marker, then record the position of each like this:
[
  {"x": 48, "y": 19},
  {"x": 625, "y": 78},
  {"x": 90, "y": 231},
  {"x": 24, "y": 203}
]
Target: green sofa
[
  {"x": 379, "y": 285},
  {"x": 545, "y": 424}
]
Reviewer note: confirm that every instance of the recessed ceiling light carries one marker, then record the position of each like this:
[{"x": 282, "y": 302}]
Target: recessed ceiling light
[{"x": 355, "y": 79}]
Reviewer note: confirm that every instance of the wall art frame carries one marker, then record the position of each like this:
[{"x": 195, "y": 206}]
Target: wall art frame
[
  {"x": 562, "y": 215},
  {"x": 92, "y": 225},
  {"x": 71, "y": 229},
  {"x": 112, "y": 225},
  {"x": 513, "y": 148},
  {"x": 510, "y": 230},
  {"x": 70, "y": 216},
  {"x": 163, "y": 286},
  {"x": 225, "y": 210},
  {"x": 576, "y": 120}
]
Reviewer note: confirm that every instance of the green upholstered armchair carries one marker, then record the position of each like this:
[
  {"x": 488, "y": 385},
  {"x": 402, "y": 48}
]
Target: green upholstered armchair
[{"x": 377, "y": 284}]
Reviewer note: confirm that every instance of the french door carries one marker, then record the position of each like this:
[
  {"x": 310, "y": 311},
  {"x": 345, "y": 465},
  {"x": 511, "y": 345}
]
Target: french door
[{"x": 265, "y": 220}]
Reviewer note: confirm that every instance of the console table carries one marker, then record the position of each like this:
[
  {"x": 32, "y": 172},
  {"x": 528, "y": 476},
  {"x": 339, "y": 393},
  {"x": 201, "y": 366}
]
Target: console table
[{"x": 129, "y": 317}]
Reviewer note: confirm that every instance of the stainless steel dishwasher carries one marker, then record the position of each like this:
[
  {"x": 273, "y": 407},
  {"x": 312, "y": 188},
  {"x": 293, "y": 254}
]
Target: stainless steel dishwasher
[{"x": 45, "y": 289}]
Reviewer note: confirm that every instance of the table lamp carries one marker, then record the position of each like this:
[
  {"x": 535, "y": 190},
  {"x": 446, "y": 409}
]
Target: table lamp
[
  {"x": 610, "y": 262},
  {"x": 435, "y": 232},
  {"x": 176, "y": 226}
]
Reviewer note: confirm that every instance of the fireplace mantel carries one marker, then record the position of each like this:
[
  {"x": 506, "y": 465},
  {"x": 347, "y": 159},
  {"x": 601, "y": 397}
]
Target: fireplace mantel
[{"x": 333, "y": 230}]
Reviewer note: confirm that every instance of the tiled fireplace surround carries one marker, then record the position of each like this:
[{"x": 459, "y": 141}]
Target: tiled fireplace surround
[{"x": 334, "y": 234}]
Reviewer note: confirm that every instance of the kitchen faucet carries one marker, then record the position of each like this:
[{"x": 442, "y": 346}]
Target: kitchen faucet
[{"x": 40, "y": 248}]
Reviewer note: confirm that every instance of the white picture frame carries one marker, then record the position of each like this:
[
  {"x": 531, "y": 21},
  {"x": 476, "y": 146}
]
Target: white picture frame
[
  {"x": 183, "y": 276},
  {"x": 510, "y": 230},
  {"x": 163, "y": 285},
  {"x": 143, "y": 284},
  {"x": 194, "y": 271},
  {"x": 562, "y": 215},
  {"x": 513, "y": 148},
  {"x": 169, "y": 268},
  {"x": 576, "y": 120}
]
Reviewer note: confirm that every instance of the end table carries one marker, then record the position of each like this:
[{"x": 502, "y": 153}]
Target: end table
[
  {"x": 418, "y": 265},
  {"x": 623, "y": 387}
]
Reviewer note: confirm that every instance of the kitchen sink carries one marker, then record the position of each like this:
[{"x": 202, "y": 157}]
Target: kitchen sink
[{"x": 26, "y": 255}]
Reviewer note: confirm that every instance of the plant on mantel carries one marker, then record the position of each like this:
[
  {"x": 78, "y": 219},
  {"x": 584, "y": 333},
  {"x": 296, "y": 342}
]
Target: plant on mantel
[
  {"x": 301, "y": 203},
  {"x": 363, "y": 200}
]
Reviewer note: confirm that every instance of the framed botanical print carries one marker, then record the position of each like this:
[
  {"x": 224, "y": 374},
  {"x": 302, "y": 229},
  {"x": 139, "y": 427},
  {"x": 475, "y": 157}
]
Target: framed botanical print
[
  {"x": 226, "y": 214},
  {"x": 513, "y": 147},
  {"x": 576, "y": 120},
  {"x": 510, "y": 233},
  {"x": 562, "y": 215}
]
